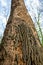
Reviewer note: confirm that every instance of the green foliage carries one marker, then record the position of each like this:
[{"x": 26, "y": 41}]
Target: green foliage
[
  {"x": 0, "y": 38},
  {"x": 40, "y": 30}
]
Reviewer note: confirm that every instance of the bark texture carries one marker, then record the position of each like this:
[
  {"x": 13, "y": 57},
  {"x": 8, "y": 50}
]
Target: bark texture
[{"x": 20, "y": 44}]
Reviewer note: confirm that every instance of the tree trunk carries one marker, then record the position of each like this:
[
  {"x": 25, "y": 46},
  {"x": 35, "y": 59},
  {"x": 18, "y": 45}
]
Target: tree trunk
[{"x": 20, "y": 44}]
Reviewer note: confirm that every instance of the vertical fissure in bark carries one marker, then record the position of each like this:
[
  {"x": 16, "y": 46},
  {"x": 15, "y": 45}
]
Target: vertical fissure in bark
[{"x": 29, "y": 44}]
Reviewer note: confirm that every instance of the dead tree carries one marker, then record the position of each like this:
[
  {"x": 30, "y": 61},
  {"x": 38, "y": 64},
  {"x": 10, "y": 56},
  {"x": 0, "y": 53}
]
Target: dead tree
[{"x": 20, "y": 44}]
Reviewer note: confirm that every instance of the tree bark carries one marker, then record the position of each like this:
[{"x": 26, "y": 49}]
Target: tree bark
[{"x": 20, "y": 44}]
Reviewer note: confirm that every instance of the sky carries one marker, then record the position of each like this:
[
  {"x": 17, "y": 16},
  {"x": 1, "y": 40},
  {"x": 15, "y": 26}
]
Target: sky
[
  {"x": 34, "y": 8},
  {"x": 5, "y": 6}
]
